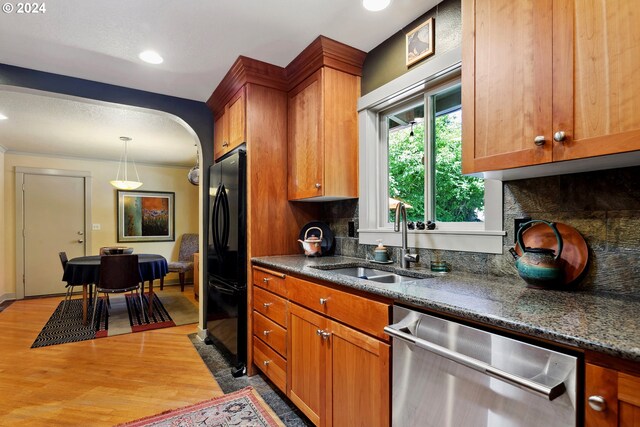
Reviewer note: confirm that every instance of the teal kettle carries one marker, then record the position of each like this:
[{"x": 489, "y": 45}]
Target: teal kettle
[{"x": 540, "y": 267}]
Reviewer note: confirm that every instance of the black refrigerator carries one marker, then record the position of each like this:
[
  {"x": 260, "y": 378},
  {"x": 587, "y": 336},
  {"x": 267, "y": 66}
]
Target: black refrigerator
[{"x": 227, "y": 259}]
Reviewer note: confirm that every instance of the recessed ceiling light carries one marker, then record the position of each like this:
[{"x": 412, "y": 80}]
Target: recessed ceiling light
[
  {"x": 151, "y": 57},
  {"x": 3, "y": 117},
  {"x": 375, "y": 5}
]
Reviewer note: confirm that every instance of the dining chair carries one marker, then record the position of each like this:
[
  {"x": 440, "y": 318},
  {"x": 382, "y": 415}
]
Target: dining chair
[
  {"x": 118, "y": 274},
  {"x": 188, "y": 246},
  {"x": 69, "y": 286}
]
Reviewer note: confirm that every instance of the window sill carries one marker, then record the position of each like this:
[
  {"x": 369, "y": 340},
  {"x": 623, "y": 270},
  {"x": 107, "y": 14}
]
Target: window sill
[{"x": 480, "y": 241}]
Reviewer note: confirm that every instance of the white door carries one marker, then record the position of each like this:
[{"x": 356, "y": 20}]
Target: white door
[{"x": 54, "y": 221}]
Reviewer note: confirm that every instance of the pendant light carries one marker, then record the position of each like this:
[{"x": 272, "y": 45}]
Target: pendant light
[
  {"x": 194, "y": 174},
  {"x": 125, "y": 184}
]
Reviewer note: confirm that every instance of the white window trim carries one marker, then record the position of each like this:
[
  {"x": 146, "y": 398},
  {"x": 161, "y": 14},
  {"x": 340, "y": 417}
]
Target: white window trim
[{"x": 487, "y": 240}]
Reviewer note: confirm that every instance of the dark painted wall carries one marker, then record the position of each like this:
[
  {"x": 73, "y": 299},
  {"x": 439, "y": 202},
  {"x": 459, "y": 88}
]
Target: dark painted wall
[{"x": 387, "y": 61}]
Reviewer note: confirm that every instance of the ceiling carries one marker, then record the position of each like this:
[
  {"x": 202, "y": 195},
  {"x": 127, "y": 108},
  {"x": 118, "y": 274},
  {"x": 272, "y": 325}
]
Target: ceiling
[{"x": 199, "y": 40}]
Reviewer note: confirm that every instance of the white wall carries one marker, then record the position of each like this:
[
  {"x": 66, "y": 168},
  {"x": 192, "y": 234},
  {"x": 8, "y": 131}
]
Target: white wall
[
  {"x": 4, "y": 293},
  {"x": 103, "y": 206}
]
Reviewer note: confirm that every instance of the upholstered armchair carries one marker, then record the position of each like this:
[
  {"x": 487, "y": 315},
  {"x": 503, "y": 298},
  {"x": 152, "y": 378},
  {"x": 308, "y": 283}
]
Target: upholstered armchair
[{"x": 188, "y": 246}]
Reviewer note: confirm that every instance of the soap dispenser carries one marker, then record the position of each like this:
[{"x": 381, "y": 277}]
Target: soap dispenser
[{"x": 380, "y": 253}]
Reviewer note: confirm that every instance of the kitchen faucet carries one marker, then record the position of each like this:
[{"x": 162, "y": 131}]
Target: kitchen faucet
[{"x": 405, "y": 256}]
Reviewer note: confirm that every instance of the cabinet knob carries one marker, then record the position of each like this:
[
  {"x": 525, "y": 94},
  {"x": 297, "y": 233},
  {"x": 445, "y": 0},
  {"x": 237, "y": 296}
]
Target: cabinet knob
[
  {"x": 266, "y": 333},
  {"x": 318, "y": 185},
  {"x": 323, "y": 301},
  {"x": 323, "y": 334},
  {"x": 559, "y": 136},
  {"x": 597, "y": 403},
  {"x": 265, "y": 280},
  {"x": 225, "y": 144},
  {"x": 267, "y": 304},
  {"x": 266, "y": 362},
  {"x": 539, "y": 140},
  {"x": 80, "y": 241}
]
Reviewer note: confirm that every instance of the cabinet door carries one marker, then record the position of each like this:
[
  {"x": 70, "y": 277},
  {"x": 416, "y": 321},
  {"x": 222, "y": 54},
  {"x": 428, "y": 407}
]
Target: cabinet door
[
  {"x": 596, "y": 84},
  {"x": 236, "y": 111},
  {"x": 306, "y": 136},
  {"x": 306, "y": 362},
  {"x": 360, "y": 377},
  {"x": 506, "y": 83},
  {"x": 219, "y": 136},
  {"x": 601, "y": 383}
]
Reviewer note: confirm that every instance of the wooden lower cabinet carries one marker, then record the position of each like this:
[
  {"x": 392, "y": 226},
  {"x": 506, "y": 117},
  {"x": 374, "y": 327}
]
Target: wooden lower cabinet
[
  {"x": 615, "y": 395},
  {"x": 336, "y": 375}
]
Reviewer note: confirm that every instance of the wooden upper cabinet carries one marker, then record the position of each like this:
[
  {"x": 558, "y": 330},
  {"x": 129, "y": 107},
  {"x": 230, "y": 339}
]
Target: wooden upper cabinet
[
  {"x": 306, "y": 152},
  {"x": 547, "y": 81},
  {"x": 229, "y": 129},
  {"x": 596, "y": 84},
  {"x": 323, "y": 122}
]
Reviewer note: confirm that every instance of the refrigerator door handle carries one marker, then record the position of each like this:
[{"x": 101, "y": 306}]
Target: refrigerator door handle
[
  {"x": 214, "y": 220},
  {"x": 224, "y": 241}
]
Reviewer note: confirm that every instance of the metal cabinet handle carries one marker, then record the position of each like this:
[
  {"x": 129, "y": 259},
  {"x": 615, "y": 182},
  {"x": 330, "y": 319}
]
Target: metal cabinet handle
[
  {"x": 225, "y": 144},
  {"x": 323, "y": 301},
  {"x": 265, "y": 279},
  {"x": 597, "y": 403},
  {"x": 266, "y": 362},
  {"x": 323, "y": 334},
  {"x": 318, "y": 185},
  {"x": 80, "y": 241},
  {"x": 267, "y": 304},
  {"x": 559, "y": 136},
  {"x": 266, "y": 333},
  {"x": 539, "y": 140},
  {"x": 548, "y": 391}
]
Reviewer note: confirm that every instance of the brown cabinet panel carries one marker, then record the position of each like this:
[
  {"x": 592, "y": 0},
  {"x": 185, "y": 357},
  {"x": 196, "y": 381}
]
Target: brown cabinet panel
[
  {"x": 271, "y": 333},
  {"x": 271, "y": 363},
  {"x": 307, "y": 363},
  {"x": 358, "y": 312},
  {"x": 229, "y": 130},
  {"x": 271, "y": 281},
  {"x": 270, "y": 305},
  {"x": 620, "y": 393},
  {"x": 360, "y": 378},
  {"x": 541, "y": 67},
  {"x": 306, "y": 151}
]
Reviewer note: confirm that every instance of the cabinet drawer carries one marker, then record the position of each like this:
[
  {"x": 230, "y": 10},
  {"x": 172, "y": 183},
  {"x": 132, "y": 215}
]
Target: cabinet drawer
[
  {"x": 271, "y": 305},
  {"x": 271, "y": 281},
  {"x": 272, "y": 364},
  {"x": 270, "y": 332},
  {"x": 359, "y": 312}
]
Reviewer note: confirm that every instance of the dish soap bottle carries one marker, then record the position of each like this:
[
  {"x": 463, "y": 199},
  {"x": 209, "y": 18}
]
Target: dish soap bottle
[{"x": 380, "y": 253}]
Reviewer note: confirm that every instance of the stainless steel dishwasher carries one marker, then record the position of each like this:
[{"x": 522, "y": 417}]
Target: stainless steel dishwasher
[{"x": 446, "y": 374}]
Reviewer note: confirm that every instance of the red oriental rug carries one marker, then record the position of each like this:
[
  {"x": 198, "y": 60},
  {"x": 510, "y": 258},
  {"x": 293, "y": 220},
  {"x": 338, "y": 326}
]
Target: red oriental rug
[{"x": 243, "y": 408}]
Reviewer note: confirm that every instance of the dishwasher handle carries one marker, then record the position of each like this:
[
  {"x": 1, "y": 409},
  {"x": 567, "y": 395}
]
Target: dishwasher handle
[{"x": 548, "y": 392}]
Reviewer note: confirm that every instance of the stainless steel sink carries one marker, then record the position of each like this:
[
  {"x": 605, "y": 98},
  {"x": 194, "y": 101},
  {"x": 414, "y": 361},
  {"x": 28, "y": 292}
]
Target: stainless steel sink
[{"x": 373, "y": 274}]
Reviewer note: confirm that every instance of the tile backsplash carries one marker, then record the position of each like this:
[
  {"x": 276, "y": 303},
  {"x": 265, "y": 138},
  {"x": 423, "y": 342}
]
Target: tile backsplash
[{"x": 604, "y": 206}]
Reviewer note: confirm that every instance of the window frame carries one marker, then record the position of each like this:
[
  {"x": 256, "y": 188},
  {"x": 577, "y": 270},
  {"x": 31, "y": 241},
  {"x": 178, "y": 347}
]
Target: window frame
[{"x": 482, "y": 237}]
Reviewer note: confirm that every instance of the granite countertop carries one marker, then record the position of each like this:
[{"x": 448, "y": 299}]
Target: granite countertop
[{"x": 604, "y": 323}]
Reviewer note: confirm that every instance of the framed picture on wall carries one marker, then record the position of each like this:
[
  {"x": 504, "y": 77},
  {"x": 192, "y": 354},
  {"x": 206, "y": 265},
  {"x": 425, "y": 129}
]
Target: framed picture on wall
[
  {"x": 420, "y": 43},
  {"x": 146, "y": 216}
]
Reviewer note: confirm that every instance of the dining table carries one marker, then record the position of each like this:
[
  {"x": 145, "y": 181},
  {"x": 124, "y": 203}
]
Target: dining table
[{"x": 85, "y": 271}]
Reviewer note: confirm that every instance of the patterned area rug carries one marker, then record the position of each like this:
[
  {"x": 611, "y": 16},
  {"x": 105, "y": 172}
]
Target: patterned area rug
[
  {"x": 124, "y": 316},
  {"x": 242, "y": 408}
]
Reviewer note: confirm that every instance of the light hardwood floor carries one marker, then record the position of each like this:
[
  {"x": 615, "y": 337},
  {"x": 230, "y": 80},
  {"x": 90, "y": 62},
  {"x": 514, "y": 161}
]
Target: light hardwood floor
[{"x": 99, "y": 382}]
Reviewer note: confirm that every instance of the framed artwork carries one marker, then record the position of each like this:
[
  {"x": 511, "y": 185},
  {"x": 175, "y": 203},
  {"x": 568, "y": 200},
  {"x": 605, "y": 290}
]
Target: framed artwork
[
  {"x": 146, "y": 216},
  {"x": 420, "y": 42}
]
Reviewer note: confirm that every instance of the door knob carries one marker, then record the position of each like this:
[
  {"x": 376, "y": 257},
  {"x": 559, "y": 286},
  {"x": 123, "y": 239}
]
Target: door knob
[
  {"x": 559, "y": 136},
  {"x": 597, "y": 403},
  {"x": 539, "y": 140}
]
